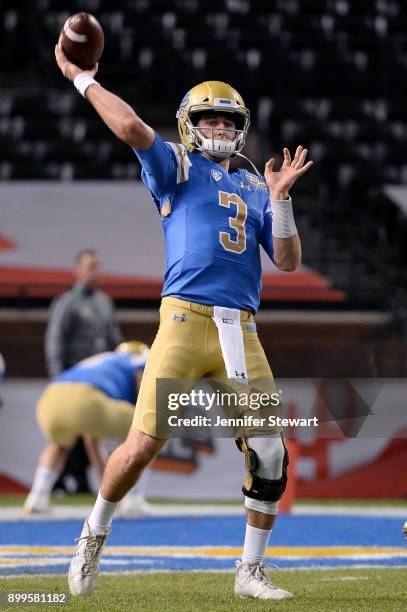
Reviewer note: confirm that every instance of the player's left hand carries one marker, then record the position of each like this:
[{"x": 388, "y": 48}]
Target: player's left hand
[
  {"x": 68, "y": 69},
  {"x": 280, "y": 181}
]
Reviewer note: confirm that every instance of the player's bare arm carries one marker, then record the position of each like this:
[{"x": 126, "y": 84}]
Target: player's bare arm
[
  {"x": 115, "y": 112},
  {"x": 287, "y": 251}
]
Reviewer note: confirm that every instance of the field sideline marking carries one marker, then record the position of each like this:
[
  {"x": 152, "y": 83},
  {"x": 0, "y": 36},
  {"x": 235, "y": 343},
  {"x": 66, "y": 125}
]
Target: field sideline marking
[{"x": 58, "y": 513}]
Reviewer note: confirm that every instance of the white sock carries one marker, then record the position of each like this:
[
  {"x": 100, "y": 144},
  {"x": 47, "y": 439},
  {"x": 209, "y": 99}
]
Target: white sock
[
  {"x": 101, "y": 516},
  {"x": 255, "y": 544},
  {"x": 44, "y": 480}
]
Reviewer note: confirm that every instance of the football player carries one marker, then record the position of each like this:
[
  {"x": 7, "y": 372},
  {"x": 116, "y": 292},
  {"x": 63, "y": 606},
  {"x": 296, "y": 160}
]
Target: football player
[
  {"x": 214, "y": 223},
  {"x": 94, "y": 400}
]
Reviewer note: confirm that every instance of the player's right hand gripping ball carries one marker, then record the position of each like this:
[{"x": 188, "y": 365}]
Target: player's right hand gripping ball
[{"x": 82, "y": 40}]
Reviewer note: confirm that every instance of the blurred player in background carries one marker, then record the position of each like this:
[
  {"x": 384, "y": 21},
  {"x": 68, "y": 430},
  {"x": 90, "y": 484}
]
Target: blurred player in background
[
  {"x": 82, "y": 323},
  {"x": 214, "y": 222},
  {"x": 94, "y": 399}
]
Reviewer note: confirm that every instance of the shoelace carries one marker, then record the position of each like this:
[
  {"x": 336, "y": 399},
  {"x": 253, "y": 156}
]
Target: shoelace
[
  {"x": 258, "y": 572},
  {"x": 93, "y": 545}
]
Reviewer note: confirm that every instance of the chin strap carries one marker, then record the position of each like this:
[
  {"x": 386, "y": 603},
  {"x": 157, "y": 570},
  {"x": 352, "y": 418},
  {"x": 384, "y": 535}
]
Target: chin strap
[{"x": 250, "y": 162}]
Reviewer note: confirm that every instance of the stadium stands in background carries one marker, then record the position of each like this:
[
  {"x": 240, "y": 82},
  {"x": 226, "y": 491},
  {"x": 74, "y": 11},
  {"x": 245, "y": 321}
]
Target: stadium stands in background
[{"x": 329, "y": 74}]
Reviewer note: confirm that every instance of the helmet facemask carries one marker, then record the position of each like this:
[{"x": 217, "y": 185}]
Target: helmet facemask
[{"x": 217, "y": 147}]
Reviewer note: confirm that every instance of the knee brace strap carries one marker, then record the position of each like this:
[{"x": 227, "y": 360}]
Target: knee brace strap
[{"x": 261, "y": 488}]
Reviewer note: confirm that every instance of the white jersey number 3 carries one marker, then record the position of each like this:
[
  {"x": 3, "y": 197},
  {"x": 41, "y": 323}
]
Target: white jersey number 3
[{"x": 234, "y": 241}]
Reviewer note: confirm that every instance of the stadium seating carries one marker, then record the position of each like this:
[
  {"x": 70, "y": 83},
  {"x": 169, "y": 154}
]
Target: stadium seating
[{"x": 328, "y": 74}]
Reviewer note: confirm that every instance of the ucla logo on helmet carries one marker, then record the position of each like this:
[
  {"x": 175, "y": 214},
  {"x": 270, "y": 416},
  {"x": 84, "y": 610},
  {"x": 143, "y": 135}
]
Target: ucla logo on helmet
[
  {"x": 216, "y": 174},
  {"x": 184, "y": 100}
]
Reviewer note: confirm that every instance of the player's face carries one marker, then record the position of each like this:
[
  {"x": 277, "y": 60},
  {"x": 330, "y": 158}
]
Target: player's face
[
  {"x": 88, "y": 270},
  {"x": 217, "y": 126}
]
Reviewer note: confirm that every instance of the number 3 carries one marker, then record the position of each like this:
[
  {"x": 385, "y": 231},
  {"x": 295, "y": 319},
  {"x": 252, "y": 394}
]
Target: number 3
[{"x": 238, "y": 244}]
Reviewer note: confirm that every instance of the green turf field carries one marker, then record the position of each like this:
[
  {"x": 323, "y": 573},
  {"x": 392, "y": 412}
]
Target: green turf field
[{"x": 345, "y": 590}]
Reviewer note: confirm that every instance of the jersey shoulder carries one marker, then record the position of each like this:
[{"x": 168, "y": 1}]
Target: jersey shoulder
[{"x": 183, "y": 160}]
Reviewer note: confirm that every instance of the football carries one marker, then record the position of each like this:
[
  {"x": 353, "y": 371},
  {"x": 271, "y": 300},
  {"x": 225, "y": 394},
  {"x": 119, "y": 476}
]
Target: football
[{"x": 82, "y": 40}]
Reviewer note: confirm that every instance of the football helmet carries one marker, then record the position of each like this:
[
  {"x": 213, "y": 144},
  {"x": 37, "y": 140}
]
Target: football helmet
[
  {"x": 133, "y": 346},
  {"x": 212, "y": 97}
]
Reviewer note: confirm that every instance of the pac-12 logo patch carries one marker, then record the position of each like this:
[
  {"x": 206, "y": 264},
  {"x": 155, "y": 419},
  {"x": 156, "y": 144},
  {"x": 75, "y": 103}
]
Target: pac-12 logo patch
[{"x": 216, "y": 174}]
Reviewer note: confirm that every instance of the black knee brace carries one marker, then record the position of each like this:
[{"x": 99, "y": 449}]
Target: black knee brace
[{"x": 261, "y": 488}]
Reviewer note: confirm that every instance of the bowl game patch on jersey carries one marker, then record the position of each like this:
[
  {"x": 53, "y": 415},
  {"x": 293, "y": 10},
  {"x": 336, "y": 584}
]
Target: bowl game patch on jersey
[{"x": 256, "y": 181}]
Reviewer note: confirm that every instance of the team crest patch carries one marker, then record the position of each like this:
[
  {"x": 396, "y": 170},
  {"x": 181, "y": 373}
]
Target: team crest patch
[
  {"x": 217, "y": 175},
  {"x": 251, "y": 326},
  {"x": 182, "y": 317}
]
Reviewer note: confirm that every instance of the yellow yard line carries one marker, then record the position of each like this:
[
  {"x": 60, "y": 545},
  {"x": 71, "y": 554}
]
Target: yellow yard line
[
  {"x": 11, "y": 561},
  {"x": 213, "y": 551}
]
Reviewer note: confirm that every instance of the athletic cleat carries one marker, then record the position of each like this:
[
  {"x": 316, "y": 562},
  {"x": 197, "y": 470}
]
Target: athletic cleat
[
  {"x": 252, "y": 581},
  {"x": 133, "y": 506},
  {"x": 84, "y": 568},
  {"x": 37, "y": 503}
]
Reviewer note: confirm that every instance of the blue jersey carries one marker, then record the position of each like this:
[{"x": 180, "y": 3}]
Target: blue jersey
[
  {"x": 111, "y": 373},
  {"x": 214, "y": 223}
]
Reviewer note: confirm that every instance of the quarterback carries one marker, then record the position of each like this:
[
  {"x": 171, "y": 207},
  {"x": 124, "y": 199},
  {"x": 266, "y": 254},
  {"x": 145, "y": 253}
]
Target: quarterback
[{"x": 214, "y": 222}]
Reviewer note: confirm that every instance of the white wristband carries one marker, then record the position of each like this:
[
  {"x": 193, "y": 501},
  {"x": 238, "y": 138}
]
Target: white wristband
[
  {"x": 82, "y": 82},
  {"x": 283, "y": 225}
]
